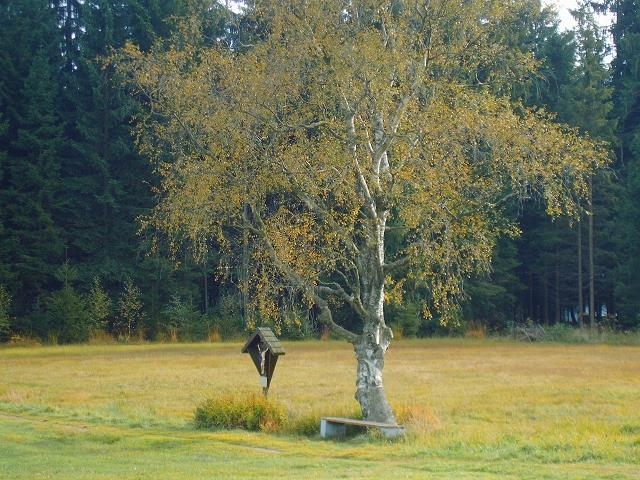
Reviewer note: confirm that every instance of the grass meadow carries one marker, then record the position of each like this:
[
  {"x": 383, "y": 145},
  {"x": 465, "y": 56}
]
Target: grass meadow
[{"x": 475, "y": 409}]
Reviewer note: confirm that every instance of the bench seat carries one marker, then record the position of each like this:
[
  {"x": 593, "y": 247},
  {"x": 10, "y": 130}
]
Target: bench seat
[{"x": 336, "y": 427}]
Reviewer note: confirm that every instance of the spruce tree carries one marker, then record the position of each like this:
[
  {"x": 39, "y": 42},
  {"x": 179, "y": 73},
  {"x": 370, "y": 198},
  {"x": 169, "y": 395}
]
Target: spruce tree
[
  {"x": 30, "y": 242},
  {"x": 67, "y": 311}
]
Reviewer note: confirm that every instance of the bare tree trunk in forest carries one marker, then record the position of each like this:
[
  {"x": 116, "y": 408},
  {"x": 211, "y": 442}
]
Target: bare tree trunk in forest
[
  {"x": 557, "y": 286},
  {"x": 592, "y": 313},
  {"x": 546, "y": 296},
  {"x": 206, "y": 285},
  {"x": 531, "y": 308},
  {"x": 244, "y": 279},
  {"x": 580, "y": 279}
]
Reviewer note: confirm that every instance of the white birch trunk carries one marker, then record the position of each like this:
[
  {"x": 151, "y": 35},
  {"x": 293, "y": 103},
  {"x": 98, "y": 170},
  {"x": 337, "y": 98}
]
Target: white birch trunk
[
  {"x": 372, "y": 345},
  {"x": 370, "y": 351}
]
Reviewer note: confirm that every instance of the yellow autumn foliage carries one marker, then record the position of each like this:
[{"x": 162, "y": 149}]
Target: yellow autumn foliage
[{"x": 344, "y": 116}]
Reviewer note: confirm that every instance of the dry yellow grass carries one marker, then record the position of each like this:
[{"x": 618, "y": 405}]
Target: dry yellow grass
[{"x": 504, "y": 405}]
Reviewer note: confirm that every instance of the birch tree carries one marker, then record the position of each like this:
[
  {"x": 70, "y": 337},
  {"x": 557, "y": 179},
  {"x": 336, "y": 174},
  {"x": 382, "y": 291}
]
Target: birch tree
[{"x": 343, "y": 118}]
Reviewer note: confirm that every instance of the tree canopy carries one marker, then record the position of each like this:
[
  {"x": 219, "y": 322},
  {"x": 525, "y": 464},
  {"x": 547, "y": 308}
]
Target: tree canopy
[{"x": 341, "y": 121}]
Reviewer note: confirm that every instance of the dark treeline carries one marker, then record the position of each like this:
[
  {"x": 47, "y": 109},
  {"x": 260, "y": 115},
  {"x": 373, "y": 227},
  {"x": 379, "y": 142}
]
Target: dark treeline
[{"x": 72, "y": 186}]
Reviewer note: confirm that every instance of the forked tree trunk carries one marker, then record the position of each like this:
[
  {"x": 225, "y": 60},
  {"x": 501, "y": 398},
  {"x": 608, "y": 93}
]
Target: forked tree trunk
[{"x": 371, "y": 347}]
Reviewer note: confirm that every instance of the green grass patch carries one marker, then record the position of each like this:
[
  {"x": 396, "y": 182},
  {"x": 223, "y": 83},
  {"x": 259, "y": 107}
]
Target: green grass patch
[{"x": 474, "y": 409}]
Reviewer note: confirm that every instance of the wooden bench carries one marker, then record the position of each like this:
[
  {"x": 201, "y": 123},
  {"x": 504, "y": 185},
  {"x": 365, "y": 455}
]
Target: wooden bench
[{"x": 336, "y": 427}]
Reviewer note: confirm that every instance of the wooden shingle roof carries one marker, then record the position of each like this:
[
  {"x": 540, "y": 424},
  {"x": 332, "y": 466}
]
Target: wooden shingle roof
[{"x": 267, "y": 337}]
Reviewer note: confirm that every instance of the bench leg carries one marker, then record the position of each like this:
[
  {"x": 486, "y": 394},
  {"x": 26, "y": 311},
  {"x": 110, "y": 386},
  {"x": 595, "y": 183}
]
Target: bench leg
[{"x": 332, "y": 430}]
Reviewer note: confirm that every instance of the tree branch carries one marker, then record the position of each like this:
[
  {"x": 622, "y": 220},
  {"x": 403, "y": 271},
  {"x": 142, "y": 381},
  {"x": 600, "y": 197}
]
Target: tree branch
[
  {"x": 364, "y": 187},
  {"x": 389, "y": 268},
  {"x": 353, "y": 301},
  {"x": 326, "y": 318},
  {"x": 256, "y": 224}
]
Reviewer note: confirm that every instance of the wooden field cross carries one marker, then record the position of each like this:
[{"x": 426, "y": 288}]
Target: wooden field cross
[{"x": 264, "y": 348}]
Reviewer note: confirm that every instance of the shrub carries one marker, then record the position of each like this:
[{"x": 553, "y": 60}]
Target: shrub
[
  {"x": 249, "y": 411},
  {"x": 100, "y": 337},
  {"x": 475, "y": 330},
  {"x": 621, "y": 338},
  {"x": 66, "y": 310},
  {"x": 25, "y": 341},
  {"x": 434, "y": 327},
  {"x": 562, "y": 333}
]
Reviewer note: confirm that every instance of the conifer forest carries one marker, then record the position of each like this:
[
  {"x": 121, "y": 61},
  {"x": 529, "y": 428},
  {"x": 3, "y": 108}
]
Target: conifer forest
[{"x": 84, "y": 250}]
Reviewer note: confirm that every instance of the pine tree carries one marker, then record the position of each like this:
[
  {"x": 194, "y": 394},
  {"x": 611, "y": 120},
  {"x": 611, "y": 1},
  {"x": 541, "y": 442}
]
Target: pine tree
[
  {"x": 537, "y": 32},
  {"x": 106, "y": 180},
  {"x": 5, "y": 271},
  {"x": 71, "y": 182},
  {"x": 99, "y": 220},
  {"x": 493, "y": 299},
  {"x": 626, "y": 75}
]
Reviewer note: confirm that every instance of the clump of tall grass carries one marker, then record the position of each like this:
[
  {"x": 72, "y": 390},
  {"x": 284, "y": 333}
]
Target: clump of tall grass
[
  {"x": 419, "y": 420},
  {"x": 255, "y": 412},
  {"x": 306, "y": 425},
  {"x": 246, "y": 411}
]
